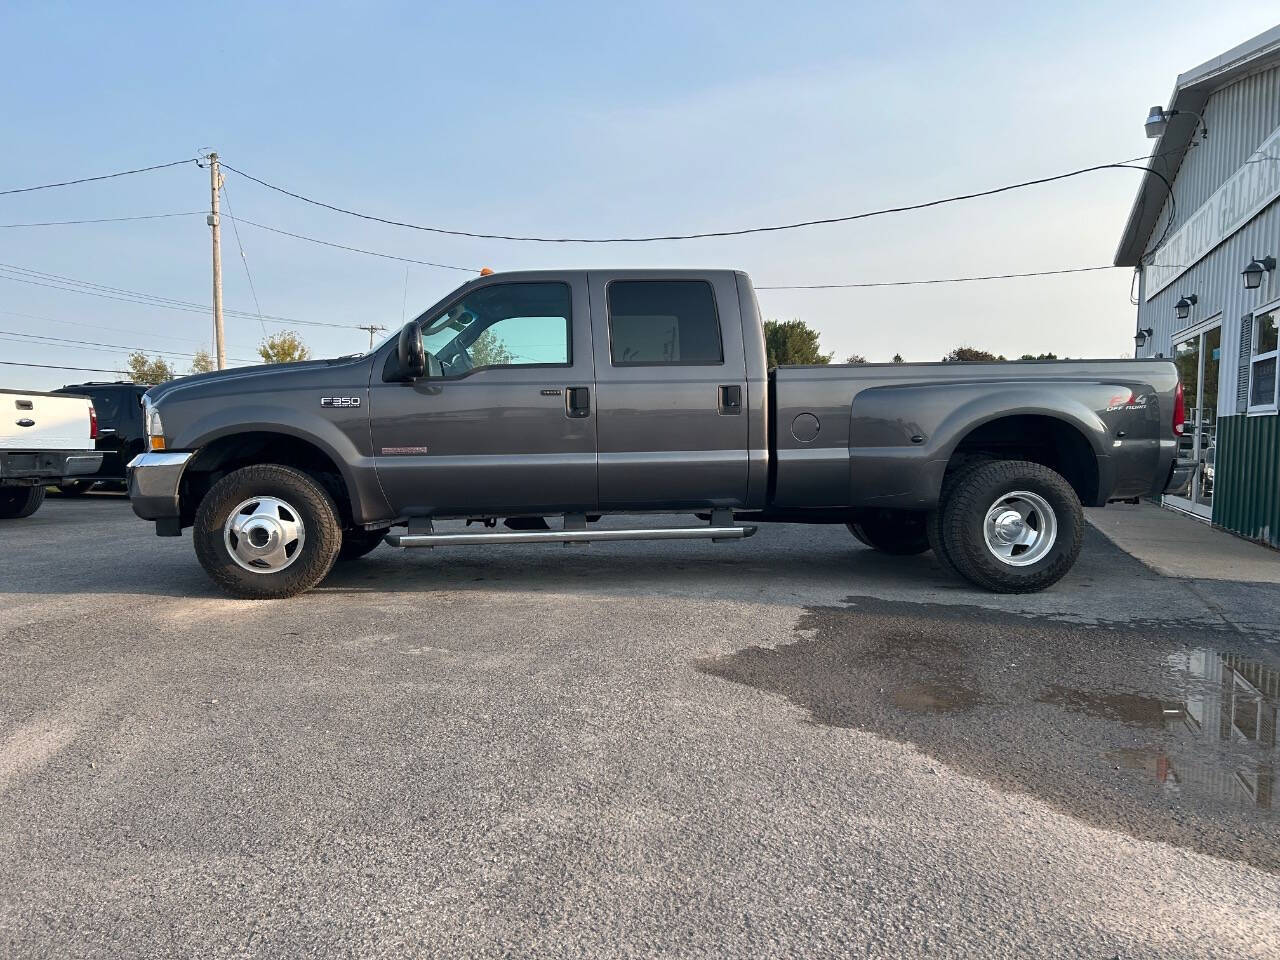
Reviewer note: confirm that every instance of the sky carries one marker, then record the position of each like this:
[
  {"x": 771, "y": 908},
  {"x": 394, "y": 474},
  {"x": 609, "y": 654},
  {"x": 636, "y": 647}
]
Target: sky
[{"x": 582, "y": 119}]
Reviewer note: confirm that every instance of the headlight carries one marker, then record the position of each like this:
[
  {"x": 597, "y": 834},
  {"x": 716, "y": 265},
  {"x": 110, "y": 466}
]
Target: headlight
[{"x": 155, "y": 428}]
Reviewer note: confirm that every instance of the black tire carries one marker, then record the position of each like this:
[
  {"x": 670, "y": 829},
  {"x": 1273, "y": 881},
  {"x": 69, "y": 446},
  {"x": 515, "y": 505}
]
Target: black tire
[
  {"x": 75, "y": 488},
  {"x": 933, "y": 523},
  {"x": 308, "y": 504},
  {"x": 898, "y": 532},
  {"x": 357, "y": 543},
  {"x": 978, "y": 492},
  {"x": 19, "y": 502}
]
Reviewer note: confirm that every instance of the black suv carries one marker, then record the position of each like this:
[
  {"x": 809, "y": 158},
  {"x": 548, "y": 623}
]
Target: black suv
[{"x": 121, "y": 436}]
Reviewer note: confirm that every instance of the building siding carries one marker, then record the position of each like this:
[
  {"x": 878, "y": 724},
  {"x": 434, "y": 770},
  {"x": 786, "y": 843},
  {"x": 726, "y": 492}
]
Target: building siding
[
  {"x": 1239, "y": 118},
  {"x": 1246, "y": 484},
  {"x": 1246, "y": 495}
]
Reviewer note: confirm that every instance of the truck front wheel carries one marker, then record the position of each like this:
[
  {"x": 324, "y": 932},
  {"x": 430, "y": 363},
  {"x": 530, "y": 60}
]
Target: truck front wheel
[
  {"x": 19, "y": 502},
  {"x": 267, "y": 531},
  {"x": 1012, "y": 526},
  {"x": 900, "y": 532}
]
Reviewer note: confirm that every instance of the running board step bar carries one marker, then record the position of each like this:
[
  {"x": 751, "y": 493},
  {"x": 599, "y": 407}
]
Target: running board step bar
[{"x": 567, "y": 536}]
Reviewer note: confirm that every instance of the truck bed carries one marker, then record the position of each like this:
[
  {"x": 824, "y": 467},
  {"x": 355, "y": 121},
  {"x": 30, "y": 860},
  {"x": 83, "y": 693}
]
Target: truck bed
[{"x": 884, "y": 434}]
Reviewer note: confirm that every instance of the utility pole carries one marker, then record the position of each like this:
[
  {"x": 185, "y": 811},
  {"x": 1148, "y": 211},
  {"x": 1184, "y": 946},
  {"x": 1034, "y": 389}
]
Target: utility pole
[
  {"x": 215, "y": 183},
  {"x": 372, "y": 330}
]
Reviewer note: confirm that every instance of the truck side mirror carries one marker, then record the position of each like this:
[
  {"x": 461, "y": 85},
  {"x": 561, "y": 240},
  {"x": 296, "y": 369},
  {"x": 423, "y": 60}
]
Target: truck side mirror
[{"x": 409, "y": 360}]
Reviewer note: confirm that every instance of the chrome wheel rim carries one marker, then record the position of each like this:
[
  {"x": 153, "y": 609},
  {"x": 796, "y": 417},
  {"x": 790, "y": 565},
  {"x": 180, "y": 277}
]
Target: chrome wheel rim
[
  {"x": 264, "y": 535},
  {"x": 1020, "y": 528}
]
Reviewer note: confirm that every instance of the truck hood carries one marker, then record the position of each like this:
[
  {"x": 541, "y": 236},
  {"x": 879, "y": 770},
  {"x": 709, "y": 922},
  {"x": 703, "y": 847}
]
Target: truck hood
[{"x": 249, "y": 378}]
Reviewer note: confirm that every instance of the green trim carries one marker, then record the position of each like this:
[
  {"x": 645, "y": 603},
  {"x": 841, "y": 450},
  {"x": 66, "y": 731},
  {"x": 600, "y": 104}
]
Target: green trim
[{"x": 1246, "y": 489}]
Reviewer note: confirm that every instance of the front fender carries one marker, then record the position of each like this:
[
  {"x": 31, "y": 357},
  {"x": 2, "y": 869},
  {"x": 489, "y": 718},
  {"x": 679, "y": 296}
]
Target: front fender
[{"x": 333, "y": 434}]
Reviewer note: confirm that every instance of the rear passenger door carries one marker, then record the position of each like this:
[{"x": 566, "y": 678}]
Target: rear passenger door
[{"x": 671, "y": 390}]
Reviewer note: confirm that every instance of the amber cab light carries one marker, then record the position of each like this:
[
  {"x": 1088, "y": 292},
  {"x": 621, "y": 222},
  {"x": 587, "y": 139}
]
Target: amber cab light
[{"x": 1179, "y": 411}]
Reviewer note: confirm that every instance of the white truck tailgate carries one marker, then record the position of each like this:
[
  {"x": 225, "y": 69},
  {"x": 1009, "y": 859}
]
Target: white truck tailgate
[{"x": 44, "y": 421}]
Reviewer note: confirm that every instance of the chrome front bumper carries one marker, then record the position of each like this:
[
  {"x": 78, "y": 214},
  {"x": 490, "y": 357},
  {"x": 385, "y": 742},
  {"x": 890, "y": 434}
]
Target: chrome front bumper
[{"x": 154, "y": 479}]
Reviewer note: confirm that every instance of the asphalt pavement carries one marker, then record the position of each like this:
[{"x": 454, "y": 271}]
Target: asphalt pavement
[{"x": 784, "y": 746}]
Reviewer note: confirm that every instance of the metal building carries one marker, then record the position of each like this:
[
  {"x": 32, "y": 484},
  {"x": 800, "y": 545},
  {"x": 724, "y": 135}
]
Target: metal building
[{"x": 1207, "y": 285}]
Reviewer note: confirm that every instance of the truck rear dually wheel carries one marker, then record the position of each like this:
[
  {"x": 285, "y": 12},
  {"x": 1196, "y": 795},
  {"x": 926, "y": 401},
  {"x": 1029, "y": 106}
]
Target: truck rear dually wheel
[
  {"x": 266, "y": 532},
  {"x": 899, "y": 532},
  {"x": 1012, "y": 526},
  {"x": 19, "y": 502}
]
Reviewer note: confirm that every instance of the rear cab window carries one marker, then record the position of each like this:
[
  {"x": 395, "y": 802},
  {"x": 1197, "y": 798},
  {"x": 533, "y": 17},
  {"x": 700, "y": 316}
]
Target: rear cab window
[{"x": 663, "y": 323}]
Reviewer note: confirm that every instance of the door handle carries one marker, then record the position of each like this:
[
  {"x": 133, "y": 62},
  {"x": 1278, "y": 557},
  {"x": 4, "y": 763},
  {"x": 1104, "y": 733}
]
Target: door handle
[
  {"x": 577, "y": 401},
  {"x": 729, "y": 398}
]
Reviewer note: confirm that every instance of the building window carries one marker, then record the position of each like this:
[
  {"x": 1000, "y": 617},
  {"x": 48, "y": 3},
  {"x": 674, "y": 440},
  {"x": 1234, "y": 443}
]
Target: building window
[{"x": 1262, "y": 362}]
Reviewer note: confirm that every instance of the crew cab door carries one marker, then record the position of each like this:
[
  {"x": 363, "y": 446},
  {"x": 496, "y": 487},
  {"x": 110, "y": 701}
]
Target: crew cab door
[
  {"x": 671, "y": 390},
  {"x": 504, "y": 422}
]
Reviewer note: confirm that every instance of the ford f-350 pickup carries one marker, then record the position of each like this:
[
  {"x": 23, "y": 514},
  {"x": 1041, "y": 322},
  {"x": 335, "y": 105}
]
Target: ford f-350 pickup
[{"x": 576, "y": 393}]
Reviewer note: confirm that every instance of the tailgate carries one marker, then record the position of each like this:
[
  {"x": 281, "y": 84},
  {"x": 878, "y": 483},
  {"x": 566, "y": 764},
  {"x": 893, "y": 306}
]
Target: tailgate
[{"x": 42, "y": 421}]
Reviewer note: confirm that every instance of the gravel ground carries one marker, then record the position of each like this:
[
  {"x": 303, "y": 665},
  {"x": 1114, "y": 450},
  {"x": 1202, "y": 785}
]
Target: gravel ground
[{"x": 788, "y": 746}]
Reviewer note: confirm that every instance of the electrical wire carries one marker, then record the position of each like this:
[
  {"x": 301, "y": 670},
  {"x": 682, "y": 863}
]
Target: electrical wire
[
  {"x": 71, "y": 285},
  {"x": 340, "y": 246},
  {"x": 48, "y": 366},
  {"x": 912, "y": 283},
  {"x": 64, "y": 223},
  {"x": 100, "y": 326},
  {"x": 243, "y": 259},
  {"x": 110, "y": 346},
  {"x": 105, "y": 176},
  {"x": 772, "y": 228}
]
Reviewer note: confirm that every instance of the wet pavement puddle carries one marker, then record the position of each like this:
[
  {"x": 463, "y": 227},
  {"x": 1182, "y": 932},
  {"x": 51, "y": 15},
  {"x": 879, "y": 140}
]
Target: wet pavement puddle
[{"x": 1163, "y": 730}]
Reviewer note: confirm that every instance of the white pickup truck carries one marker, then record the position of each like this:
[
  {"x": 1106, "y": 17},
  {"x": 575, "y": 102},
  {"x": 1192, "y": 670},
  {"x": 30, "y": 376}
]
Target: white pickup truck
[{"x": 45, "y": 438}]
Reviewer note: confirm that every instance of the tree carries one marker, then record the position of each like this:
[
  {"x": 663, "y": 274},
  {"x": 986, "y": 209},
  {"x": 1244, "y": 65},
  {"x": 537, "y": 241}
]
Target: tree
[
  {"x": 856, "y": 358},
  {"x": 1040, "y": 356},
  {"x": 143, "y": 369},
  {"x": 201, "y": 362},
  {"x": 489, "y": 351},
  {"x": 792, "y": 341},
  {"x": 897, "y": 358},
  {"x": 283, "y": 347},
  {"x": 970, "y": 355}
]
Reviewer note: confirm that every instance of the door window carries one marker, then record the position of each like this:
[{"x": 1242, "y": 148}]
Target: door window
[
  {"x": 503, "y": 325},
  {"x": 1262, "y": 363},
  {"x": 663, "y": 322}
]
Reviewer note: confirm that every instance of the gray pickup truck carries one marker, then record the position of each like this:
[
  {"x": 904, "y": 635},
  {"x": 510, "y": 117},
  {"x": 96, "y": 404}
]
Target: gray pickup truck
[{"x": 570, "y": 394}]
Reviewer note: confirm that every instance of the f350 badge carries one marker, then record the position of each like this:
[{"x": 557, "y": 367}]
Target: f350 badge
[{"x": 339, "y": 401}]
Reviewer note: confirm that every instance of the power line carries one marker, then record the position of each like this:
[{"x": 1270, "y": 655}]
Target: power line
[
  {"x": 64, "y": 223},
  {"x": 773, "y": 228},
  {"x": 100, "y": 326},
  {"x": 340, "y": 246},
  {"x": 110, "y": 346},
  {"x": 71, "y": 285},
  {"x": 105, "y": 176},
  {"x": 243, "y": 259},
  {"x": 48, "y": 366},
  {"x": 912, "y": 283}
]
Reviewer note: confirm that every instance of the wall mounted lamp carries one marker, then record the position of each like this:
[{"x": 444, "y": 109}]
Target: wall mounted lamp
[
  {"x": 1253, "y": 272},
  {"x": 1182, "y": 309},
  {"x": 1158, "y": 120},
  {"x": 1140, "y": 338}
]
